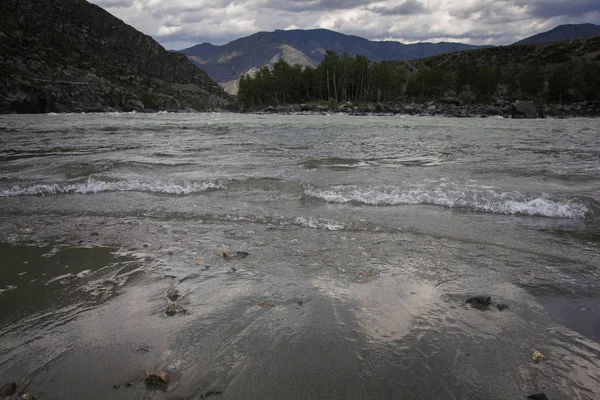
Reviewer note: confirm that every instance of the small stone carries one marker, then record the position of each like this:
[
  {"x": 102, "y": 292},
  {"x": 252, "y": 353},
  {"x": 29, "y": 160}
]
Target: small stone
[
  {"x": 367, "y": 273},
  {"x": 537, "y": 357},
  {"x": 538, "y": 396},
  {"x": 173, "y": 308},
  {"x": 501, "y": 306},
  {"x": 157, "y": 377},
  {"x": 8, "y": 388},
  {"x": 480, "y": 300},
  {"x": 116, "y": 386},
  {"x": 173, "y": 294},
  {"x": 27, "y": 396},
  {"x": 300, "y": 303}
]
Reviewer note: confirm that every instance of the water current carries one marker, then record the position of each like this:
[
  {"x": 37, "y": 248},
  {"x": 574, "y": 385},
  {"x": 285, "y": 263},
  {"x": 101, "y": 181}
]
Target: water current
[{"x": 360, "y": 239}]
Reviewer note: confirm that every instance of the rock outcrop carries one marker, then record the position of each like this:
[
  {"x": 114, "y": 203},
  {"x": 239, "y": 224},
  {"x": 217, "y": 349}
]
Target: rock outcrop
[
  {"x": 70, "y": 55},
  {"x": 524, "y": 109}
]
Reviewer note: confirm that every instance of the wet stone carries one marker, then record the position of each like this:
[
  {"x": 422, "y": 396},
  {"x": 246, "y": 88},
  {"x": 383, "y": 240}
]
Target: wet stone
[
  {"x": 238, "y": 254},
  {"x": 8, "y": 388},
  {"x": 173, "y": 294},
  {"x": 538, "y": 396},
  {"x": 537, "y": 357},
  {"x": 157, "y": 377},
  {"x": 173, "y": 309},
  {"x": 479, "y": 301}
]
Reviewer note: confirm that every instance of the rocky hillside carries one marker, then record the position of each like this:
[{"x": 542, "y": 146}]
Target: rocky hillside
[
  {"x": 70, "y": 55},
  {"x": 228, "y": 62},
  {"x": 545, "y": 56},
  {"x": 563, "y": 32}
]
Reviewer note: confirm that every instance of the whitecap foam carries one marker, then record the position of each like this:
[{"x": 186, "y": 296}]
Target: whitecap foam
[
  {"x": 93, "y": 185},
  {"x": 478, "y": 198},
  {"x": 318, "y": 223}
]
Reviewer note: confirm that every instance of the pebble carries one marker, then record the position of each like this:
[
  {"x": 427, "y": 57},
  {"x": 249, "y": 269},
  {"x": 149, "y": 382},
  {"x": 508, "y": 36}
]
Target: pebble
[
  {"x": 537, "y": 357},
  {"x": 8, "y": 388},
  {"x": 538, "y": 396},
  {"x": 157, "y": 377},
  {"x": 173, "y": 294},
  {"x": 173, "y": 308},
  {"x": 480, "y": 300}
]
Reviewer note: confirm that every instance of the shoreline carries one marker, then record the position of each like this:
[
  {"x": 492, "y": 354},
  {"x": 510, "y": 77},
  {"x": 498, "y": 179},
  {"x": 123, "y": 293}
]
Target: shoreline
[
  {"x": 502, "y": 109},
  {"x": 450, "y": 109}
]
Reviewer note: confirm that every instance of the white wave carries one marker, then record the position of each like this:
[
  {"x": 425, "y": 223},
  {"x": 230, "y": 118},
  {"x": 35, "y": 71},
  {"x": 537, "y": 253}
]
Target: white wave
[
  {"x": 479, "y": 198},
  {"x": 8, "y": 289},
  {"x": 95, "y": 186},
  {"x": 318, "y": 223}
]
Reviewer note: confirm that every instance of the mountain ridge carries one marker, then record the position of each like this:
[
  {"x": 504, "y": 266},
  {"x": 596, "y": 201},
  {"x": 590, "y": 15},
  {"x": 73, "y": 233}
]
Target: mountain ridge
[
  {"x": 562, "y": 32},
  {"x": 227, "y": 62}
]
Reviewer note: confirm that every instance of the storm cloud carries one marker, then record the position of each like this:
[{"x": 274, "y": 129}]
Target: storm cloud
[{"x": 178, "y": 24}]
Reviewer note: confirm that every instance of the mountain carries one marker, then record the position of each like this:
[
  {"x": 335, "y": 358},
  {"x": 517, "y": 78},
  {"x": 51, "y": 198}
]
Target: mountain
[
  {"x": 70, "y": 55},
  {"x": 228, "y": 62},
  {"x": 563, "y": 32},
  {"x": 542, "y": 56}
]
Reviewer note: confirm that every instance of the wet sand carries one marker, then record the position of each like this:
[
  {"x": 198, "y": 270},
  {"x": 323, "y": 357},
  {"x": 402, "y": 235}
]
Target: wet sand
[{"x": 401, "y": 331}]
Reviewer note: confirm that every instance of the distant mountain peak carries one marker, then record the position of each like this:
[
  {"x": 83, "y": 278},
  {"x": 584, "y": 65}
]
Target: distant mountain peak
[
  {"x": 563, "y": 32},
  {"x": 228, "y": 62}
]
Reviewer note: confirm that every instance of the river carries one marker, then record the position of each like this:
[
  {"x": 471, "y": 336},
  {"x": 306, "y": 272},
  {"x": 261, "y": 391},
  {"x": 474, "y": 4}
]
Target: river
[{"x": 318, "y": 257}]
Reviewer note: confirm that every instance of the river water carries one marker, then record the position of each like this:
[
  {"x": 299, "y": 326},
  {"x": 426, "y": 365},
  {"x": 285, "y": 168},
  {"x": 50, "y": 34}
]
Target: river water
[{"x": 364, "y": 237}]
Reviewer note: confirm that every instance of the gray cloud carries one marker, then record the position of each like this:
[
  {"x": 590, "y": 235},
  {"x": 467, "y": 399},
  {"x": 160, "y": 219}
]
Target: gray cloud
[
  {"x": 183, "y": 23},
  {"x": 409, "y": 7},
  {"x": 554, "y": 8},
  {"x": 114, "y": 3},
  {"x": 312, "y": 5}
]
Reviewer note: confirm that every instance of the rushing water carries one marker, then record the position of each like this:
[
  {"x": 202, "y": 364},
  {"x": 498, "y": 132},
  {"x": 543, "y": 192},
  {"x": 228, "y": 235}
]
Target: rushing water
[{"x": 366, "y": 234}]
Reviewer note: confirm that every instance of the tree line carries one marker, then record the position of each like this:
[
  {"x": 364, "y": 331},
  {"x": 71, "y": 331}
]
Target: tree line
[{"x": 356, "y": 79}]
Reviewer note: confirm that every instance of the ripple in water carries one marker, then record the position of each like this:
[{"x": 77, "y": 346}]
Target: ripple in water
[
  {"x": 92, "y": 185},
  {"x": 478, "y": 198}
]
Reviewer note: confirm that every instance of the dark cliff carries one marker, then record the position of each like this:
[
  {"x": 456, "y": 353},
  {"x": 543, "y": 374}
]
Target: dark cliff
[{"x": 70, "y": 55}]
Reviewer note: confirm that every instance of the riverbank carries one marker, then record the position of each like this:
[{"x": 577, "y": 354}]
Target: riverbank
[
  {"x": 445, "y": 108},
  {"x": 451, "y": 108}
]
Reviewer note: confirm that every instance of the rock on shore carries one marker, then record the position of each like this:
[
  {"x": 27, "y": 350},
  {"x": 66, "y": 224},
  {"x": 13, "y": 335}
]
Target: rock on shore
[
  {"x": 70, "y": 55},
  {"x": 449, "y": 107}
]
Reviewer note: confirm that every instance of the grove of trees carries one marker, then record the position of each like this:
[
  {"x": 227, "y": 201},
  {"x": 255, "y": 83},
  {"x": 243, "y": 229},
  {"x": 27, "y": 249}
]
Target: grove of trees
[{"x": 356, "y": 79}]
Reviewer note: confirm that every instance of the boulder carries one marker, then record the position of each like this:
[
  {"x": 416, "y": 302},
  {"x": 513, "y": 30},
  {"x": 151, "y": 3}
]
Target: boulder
[
  {"x": 451, "y": 100},
  {"x": 525, "y": 109}
]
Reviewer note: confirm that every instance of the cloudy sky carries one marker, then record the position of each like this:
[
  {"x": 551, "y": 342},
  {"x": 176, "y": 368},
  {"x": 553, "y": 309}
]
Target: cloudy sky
[{"x": 178, "y": 24}]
